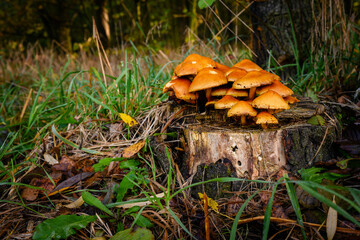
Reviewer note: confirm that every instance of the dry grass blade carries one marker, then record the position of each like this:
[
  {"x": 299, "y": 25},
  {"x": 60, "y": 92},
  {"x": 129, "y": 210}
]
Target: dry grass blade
[
  {"x": 26, "y": 104},
  {"x": 331, "y": 222},
  {"x": 206, "y": 213}
]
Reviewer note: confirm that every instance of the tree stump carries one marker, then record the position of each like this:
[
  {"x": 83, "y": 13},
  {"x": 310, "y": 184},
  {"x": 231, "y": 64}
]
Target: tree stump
[{"x": 216, "y": 146}]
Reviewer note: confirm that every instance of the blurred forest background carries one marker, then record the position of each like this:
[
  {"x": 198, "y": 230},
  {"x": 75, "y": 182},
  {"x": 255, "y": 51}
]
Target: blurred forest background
[{"x": 292, "y": 32}]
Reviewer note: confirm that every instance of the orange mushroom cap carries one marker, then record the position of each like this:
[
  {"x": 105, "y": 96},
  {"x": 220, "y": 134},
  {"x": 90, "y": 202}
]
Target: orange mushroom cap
[
  {"x": 221, "y": 67},
  {"x": 241, "y": 108},
  {"x": 266, "y": 118},
  {"x": 254, "y": 79},
  {"x": 180, "y": 86},
  {"x": 192, "y": 64},
  {"x": 207, "y": 78},
  {"x": 237, "y": 92},
  {"x": 219, "y": 91},
  {"x": 276, "y": 86},
  {"x": 270, "y": 100},
  {"x": 225, "y": 102},
  {"x": 291, "y": 99},
  {"x": 248, "y": 65},
  {"x": 235, "y": 74}
]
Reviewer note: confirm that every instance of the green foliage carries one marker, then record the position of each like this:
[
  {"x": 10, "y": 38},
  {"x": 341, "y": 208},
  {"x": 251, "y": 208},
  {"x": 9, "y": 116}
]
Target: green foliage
[
  {"x": 93, "y": 201},
  {"x": 135, "y": 177},
  {"x": 61, "y": 227},
  {"x": 139, "y": 220},
  {"x": 131, "y": 234},
  {"x": 205, "y": 3},
  {"x": 123, "y": 163},
  {"x": 316, "y": 175},
  {"x": 316, "y": 120}
]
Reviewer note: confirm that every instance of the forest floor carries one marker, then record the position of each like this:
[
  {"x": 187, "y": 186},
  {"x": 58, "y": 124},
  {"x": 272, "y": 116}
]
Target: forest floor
[{"x": 78, "y": 161}]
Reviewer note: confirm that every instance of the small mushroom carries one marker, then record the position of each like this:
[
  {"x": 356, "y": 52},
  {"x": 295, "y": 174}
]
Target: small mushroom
[
  {"x": 242, "y": 109},
  {"x": 291, "y": 99},
  {"x": 219, "y": 91},
  {"x": 206, "y": 79},
  {"x": 180, "y": 87},
  {"x": 265, "y": 118},
  {"x": 225, "y": 102},
  {"x": 270, "y": 100},
  {"x": 253, "y": 80},
  {"x": 234, "y": 74},
  {"x": 276, "y": 86},
  {"x": 248, "y": 65},
  {"x": 192, "y": 64},
  {"x": 237, "y": 93},
  {"x": 221, "y": 67}
]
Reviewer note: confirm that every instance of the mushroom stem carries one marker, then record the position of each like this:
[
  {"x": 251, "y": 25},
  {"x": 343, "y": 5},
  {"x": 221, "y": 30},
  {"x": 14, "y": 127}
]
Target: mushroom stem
[
  {"x": 243, "y": 120},
  {"x": 264, "y": 126},
  {"x": 200, "y": 103},
  {"x": 271, "y": 111},
  {"x": 208, "y": 94},
  {"x": 252, "y": 93}
]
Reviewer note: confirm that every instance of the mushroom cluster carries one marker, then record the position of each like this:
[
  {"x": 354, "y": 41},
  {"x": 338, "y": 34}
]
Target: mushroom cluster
[{"x": 245, "y": 89}]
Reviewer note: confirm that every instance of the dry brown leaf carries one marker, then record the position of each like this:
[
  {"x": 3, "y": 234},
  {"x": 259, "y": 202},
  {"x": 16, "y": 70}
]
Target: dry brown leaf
[
  {"x": 75, "y": 204},
  {"x": 133, "y": 149},
  {"x": 331, "y": 222},
  {"x": 50, "y": 159},
  {"x": 65, "y": 164},
  {"x": 30, "y": 194}
]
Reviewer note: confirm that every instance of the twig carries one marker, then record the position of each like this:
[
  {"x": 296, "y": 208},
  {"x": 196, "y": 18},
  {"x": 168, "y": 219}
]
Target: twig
[{"x": 172, "y": 118}]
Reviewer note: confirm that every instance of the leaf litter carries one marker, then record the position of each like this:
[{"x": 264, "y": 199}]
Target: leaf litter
[{"x": 118, "y": 175}]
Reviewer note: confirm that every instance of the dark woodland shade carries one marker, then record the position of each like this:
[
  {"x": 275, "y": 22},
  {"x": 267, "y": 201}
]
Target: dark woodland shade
[{"x": 272, "y": 29}]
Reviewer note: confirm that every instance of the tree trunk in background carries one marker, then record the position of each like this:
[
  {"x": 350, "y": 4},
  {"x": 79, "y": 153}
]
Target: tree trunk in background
[
  {"x": 275, "y": 22},
  {"x": 57, "y": 22},
  {"x": 102, "y": 22},
  {"x": 190, "y": 38}
]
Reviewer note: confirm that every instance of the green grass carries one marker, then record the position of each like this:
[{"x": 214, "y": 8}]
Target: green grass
[{"x": 64, "y": 96}]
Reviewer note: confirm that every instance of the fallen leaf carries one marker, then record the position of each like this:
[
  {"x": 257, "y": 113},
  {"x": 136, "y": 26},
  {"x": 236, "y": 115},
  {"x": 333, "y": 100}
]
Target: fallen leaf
[
  {"x": 61, "y": 227},
  {"x": 50, "y": 159},
  {"x": 66, "y": 164},
  {"x": 211, "y": 202},
  {"x": 128, "y": 120},
  {"x": 331, "y": 222},
  {"x": 30, "y": 194},
  {"x": 131, "y": 234},
  {"x": 133, "y": 149},
  {"x": 75, "y": 204},
  {"x": 73, "y": 180}
]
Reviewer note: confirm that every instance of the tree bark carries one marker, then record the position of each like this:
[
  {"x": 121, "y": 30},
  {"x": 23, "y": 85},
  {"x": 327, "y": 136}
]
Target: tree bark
[
  {"x": 282, "y": 27},
  {"x": 216, "y": 146}
]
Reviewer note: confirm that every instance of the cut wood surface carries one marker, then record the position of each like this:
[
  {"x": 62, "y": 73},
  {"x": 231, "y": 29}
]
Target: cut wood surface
[{"x": 252, "y": 151}]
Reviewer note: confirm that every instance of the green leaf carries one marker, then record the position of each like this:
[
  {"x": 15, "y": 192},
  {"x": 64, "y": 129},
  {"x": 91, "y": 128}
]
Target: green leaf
[
  {"x": 314, "y": 174},
  {"x": 205, "y": 3},
  {"x": 349, "y": 163},
  {"x": 125, "y": 185},
  {"x": 142, "y": 221},
  {"x": 130, "y": 163},
  {"x": 316, "y": 120},
  {"x": 295, "y": 203},
  {"x": 93, "y": 201},
  {"x": 356, "y": 195},
  {"x": 61, "y": 227},
  {"x": 129, "y": 234},
  {"x": 311, "y": 189}
]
